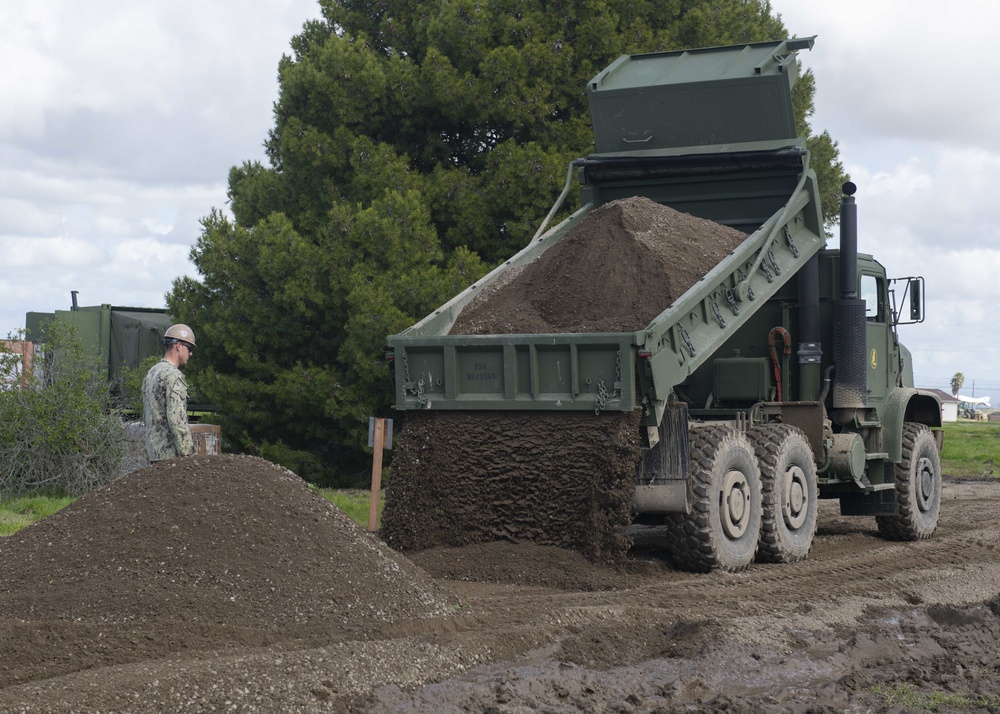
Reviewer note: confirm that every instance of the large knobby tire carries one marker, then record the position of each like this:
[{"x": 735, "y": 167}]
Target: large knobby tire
[
  {"x": 723, "y": 527},
  {"x": 790, "y": 493},
  {"x": 918, "y": 488}
]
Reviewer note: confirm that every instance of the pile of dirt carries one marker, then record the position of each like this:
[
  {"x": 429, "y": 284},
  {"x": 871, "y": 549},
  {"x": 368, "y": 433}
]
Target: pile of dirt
[
  {"x": 196, "y": 553},
  {"x": 620, "y": 267},
  {"x": 459, "y": 478}
]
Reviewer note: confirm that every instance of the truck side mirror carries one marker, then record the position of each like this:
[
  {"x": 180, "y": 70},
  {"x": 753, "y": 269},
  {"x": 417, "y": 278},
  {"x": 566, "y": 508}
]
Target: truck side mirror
[
  {"x": 913, "y": 292},
  {"x": 915, "y": 286}
]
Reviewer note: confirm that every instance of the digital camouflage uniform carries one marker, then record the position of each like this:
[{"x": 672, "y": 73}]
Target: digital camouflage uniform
[{"x": 164, "y": 398}]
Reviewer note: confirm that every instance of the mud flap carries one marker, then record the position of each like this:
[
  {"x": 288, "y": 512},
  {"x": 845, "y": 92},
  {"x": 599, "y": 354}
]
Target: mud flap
[
  {"x": 661, "y": 476},
  {"x": 661, "y": 499},
  {"x": 878, "y": 503}
]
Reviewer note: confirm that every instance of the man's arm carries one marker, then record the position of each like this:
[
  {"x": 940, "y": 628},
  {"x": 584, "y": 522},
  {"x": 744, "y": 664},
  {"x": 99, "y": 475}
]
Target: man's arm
[{"x": 177, "y": 417}]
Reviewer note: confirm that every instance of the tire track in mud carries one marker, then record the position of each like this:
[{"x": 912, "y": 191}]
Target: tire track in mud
[
  {"x": 852, "y": 562},
  {"x": 816, "y": 636},
  {"x": 852, "y": 575}
]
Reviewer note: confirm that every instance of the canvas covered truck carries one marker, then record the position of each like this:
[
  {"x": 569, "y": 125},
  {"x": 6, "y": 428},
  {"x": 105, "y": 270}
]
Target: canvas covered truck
[
  {"x": 777, "y": 378},
  {"x": 115, "y": 336}
]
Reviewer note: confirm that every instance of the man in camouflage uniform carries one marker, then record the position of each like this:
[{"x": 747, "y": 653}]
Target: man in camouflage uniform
[{"x": 164, "y": 398}]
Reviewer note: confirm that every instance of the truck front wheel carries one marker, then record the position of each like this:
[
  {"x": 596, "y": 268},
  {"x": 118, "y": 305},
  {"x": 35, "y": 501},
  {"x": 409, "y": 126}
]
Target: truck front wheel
[
  {"x": 918, "y": 488},
  {"x": 723, "y": 528},
  {"x": 790, "y": 493}
]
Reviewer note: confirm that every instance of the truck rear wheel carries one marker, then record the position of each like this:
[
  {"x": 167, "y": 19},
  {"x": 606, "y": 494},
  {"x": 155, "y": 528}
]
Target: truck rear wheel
[
  {"x": 790, "y": 493},
  {"x": 723, "y": 528},
  {"x": 918, "y": 487}
]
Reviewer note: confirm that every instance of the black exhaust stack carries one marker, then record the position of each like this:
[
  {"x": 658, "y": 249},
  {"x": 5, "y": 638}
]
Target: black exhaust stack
[
  {"x": 850, "y": 390},
  {"x": 848, "y": 243},
  {"x": 810, "y": 348},
  {"x": 73, "y": 294}
]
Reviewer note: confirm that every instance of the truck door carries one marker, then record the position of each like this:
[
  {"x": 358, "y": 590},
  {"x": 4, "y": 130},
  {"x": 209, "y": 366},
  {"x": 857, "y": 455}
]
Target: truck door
[{"x": 873, "y": 292}]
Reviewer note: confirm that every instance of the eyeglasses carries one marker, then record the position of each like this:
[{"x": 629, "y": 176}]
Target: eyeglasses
[{"x": 190, "y": 349}]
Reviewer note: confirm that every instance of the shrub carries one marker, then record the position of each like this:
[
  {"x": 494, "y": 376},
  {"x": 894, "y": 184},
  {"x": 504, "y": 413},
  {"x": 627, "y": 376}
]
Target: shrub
[{"x": 60, "y": 433}]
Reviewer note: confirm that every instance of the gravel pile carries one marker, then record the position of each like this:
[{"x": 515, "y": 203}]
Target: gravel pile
[{"x": 196, "y": 553}]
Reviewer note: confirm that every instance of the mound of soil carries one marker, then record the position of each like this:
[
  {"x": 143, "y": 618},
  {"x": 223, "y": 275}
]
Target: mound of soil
[
  {"x": 459, "y": 478},
  {"x": 196, "y": 553},
  {"x": 620, "y": 267}
]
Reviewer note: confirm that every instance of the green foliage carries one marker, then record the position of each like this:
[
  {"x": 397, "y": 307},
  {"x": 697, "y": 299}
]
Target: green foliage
[
  {"x": 60, "y": 433},
  {"x": 128, "y": 397},
  {"x": 416, "y": 144},
  {"x": 971, "y": 449}
]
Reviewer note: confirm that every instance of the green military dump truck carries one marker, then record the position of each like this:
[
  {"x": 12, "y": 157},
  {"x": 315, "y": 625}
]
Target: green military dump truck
[{"x": 776, "y": 379}]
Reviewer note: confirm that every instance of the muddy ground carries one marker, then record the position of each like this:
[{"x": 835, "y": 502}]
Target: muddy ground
[{"x": 224, "y": 584}]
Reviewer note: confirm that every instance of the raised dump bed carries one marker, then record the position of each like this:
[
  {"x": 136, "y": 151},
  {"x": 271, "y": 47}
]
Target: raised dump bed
[{"x": 580, "y": 370}]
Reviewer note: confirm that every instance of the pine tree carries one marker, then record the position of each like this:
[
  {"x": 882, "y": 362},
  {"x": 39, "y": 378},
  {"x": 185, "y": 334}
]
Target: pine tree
[{"x": 415, "y": 145}]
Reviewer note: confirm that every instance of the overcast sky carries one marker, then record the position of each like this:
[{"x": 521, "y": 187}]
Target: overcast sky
[{"x": 119, "y": 122}]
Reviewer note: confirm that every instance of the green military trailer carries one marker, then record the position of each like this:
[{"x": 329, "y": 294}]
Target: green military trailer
[
  {"x": 775, "y": 380},
  {"x": 115, "y": 336}
]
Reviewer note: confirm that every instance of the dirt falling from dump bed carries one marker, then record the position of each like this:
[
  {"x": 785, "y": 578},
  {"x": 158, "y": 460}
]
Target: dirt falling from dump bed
[
  {"x": 459, "y": 478},
  {"x": 619, "y": 268}
]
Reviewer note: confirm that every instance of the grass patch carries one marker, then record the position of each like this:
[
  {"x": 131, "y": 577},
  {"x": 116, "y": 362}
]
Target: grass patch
[
  {"x": 19, "y": 513},
  {"x": 905, "y": 696},
  {"x": 356, "y": 503},
  {"x": 971, "y": 449}
]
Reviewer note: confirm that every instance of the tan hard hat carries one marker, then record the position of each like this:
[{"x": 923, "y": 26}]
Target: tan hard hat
[{"x": 182, "y": 333}]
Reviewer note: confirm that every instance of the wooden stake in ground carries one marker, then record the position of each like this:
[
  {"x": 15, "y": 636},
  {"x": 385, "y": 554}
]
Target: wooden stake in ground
[
  {"x": 379, "y": 437},
  {"x": 27, "y": 351}
]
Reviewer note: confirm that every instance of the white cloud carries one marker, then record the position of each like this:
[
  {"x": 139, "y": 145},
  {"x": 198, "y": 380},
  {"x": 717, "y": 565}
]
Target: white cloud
[
  {"x": 902, "y": 181},
  {"x": 117, "y": 132},
  {"x": 147, "y": 253},
  {"x": 157, "y": 227},
  {"x": 941, "y": 197},
  {"x": 108, "y": 56},
  {"x": 885, "y": 70},
  {"x": 22, "y": 253},
  {"x": 24, "y": 218}
]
